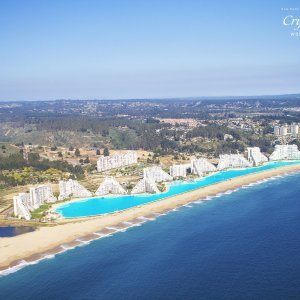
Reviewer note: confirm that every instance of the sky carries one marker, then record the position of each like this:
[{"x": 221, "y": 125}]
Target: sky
[{"x": 112, "y": 49}]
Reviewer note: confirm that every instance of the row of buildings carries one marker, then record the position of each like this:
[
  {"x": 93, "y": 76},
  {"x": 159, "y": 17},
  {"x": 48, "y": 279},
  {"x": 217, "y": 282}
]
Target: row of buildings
[
  {"x": 147, "y": 184},
  {"x": 25, "y": 203},
  {"x": 202, "y": 166},
  {"x": 226, "y": 161},
  {"x": 105, "y": 163},
  {"x": 285, "y": 130}
]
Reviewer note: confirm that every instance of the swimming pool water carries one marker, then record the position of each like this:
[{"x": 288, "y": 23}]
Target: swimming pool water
[{"x": 109, "y": 204}]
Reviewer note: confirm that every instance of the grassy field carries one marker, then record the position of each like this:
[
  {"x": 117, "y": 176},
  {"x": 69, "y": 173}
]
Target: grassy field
[
  {"x": 6, "y": 149},
  {"x": 39, "y": 213},
  {"x": 30, "y": 135}
]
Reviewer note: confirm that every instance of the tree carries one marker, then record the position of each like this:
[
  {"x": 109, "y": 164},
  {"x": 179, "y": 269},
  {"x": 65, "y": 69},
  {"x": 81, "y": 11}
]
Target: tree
[
  {"x": 60, "y": 154},
  {"x": 105, "y": 132},
  {"x": 295, "y": 142},
  {"x": 71, "y": 148},
  {"x": 33, "y": 157},
  {"x": 12, "y": 162},
  {"x": 106, "y": 152},
  {"x": 77, "y": 152},
  {"x": 87, "y": 160},
  {"x": 98, "y": 152},
  {"x": 53, "y": 148},
  {"x": 56, "y": 194}
]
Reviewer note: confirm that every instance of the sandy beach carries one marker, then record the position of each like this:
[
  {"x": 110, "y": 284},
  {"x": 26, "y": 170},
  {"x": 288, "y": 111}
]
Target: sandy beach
[{"x": 70, "y": 233}]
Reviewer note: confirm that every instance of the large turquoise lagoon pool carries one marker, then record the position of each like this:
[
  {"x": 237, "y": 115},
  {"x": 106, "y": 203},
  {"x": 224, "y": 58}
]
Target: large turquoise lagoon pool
[{"x": 108, "y": 204}]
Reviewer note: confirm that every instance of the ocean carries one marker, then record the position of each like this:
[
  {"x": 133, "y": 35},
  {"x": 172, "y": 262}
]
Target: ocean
[
  {"x": 10, "y": 231},
  {"x": 240, "y": 245}
]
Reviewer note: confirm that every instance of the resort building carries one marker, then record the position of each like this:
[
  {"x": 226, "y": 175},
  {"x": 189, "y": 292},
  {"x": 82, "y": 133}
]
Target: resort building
[
  {"x": 232, "y": 161},
  {"x": 156, "y": 174},
  {"x": 145, "y": 185},
  {"x": 201, "y": 165},
  {"x": 178, "y": 170},
  {"x": 21, "y": 209},
  {"x": 255, "y": 157},
  {"x": 110, "y": 186},
  {"x": 26, "y": 202},
  {"x": 282, "y": 152},
  {"x": 105, "y": 163},
  {"x": 277, "y": 130},
  {"x": 72, "y": 188},
  {"x": 294, "y": 129},
  {"x": 40, "y": 195},
  {"x": 284, "y": 130},
  {"x": 281, "y": 130}
]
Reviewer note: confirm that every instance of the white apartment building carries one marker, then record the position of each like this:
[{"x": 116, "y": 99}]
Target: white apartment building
[
  {"x": 201, "y": 165},
  {"x": 285, "y": 130},
  {"x": 72, "y": 188},
  {"x": 145, "y": 186},
  {"x": 110, "y": 186},
  {"x": 26, "y": 202},
  {"x": 156, "y": 174},
  {"x": 294, "y": 129},
  {"x": 179, "y": 170},
  {"x": 41, "y": 194},
  {"x": 283, "y": 152},
  {"x": 105, "y": 163},
  {"x": 232, "y": 161},
  {"x": 21, "y": 206},
  {"x": 255, "y": 157},
  {"x": 277, "y": 130}
]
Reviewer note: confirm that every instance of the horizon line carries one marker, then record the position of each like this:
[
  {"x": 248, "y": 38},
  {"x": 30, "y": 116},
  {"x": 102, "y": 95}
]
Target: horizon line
[{"x": 158, "y": 98}]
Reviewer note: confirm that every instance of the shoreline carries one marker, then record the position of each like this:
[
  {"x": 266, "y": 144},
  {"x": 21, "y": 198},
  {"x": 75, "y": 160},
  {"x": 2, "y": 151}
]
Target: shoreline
[{"x": 45, "y": 242}]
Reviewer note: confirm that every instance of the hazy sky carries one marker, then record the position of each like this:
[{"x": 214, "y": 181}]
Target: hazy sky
[{"x": 96, "y": 49}]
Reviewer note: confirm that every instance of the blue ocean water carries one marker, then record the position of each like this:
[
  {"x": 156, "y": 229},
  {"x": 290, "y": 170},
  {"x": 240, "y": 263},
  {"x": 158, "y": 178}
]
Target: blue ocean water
[
  {"x": 244, "y": 245},
  {"x": 9, "y": 231},
  {"x": 108, "y": 204}
]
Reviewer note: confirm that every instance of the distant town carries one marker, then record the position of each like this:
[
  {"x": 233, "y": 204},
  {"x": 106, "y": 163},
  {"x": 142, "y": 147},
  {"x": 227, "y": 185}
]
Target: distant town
[{"x": 56, "y": 151}]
